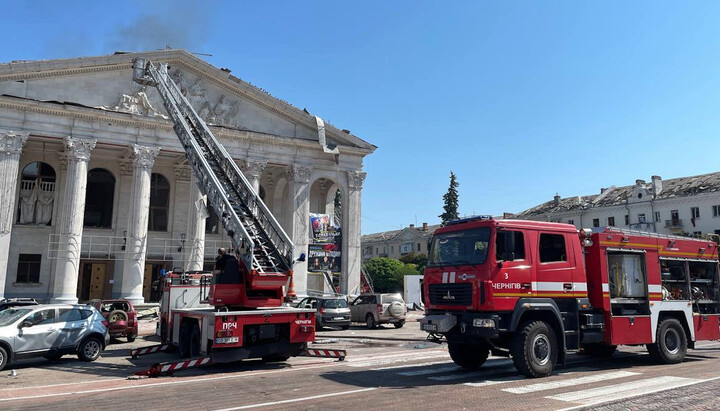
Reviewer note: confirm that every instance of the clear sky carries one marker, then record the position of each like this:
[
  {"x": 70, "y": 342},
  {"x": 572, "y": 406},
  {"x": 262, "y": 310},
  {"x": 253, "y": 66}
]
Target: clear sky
[{"x": 521, "y": 99}]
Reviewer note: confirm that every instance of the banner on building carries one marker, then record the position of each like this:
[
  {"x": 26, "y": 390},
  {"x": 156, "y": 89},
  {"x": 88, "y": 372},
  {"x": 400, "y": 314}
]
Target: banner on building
[{"x": 324, "y": 251}]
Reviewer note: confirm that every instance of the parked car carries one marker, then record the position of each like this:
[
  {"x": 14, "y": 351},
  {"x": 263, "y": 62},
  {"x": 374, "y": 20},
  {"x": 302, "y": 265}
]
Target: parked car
[
  {"x": 332, "y": 311},
  {"x": 375, "y": 309},
  {"x": 121, "y": 315},
  {"x": 51, "y": 331},
  {"x": 16, "y": 302}
]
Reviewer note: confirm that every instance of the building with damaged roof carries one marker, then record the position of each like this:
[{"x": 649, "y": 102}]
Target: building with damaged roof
[{"x": 684, "y": 205}]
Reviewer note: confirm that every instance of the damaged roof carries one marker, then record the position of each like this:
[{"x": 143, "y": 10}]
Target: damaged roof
[
  {"x": 392, "y": 235},
  {"x": 671, "y": 188}
]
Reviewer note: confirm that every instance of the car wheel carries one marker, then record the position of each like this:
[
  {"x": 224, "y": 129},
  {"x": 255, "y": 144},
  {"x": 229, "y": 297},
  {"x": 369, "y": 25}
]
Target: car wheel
[
  {"x": 90, "y": 349},
  {"x": 396, "y": 309},
  {"x": 670, "y": 344},
  {"x": 399, "y": 324},
  {"x": 117, "y": 315},
  {"x": 3, "y": 358},
  {"x": 468, "y": 356},
  {"x": 345, "y": 327},
  {"x": 370, "y": 322},
  {"x": 131, "y": 338},
  {"x": 534, "y": 349}
]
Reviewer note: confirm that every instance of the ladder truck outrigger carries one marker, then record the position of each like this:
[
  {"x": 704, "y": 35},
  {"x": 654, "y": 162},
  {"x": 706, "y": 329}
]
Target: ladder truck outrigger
[
  {"x": 535, "y": 291},
  {"x": 239, "y": 313}
]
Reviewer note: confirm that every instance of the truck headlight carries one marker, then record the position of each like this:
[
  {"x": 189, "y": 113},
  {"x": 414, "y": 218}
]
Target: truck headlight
[{"x": 483, "y": 323}]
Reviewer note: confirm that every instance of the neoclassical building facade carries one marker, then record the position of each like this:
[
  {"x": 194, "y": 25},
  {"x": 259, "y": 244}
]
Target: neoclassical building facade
[{"x": 96, "y": 198}]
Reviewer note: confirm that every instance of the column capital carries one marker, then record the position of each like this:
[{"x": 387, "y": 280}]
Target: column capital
[
  {"x": 144, "y": 156},
  {"x": 254, "y": 168},
  {"x": 356, "y": 179},
  {"x": 78, "y": 149},
  {"x": 126, "y": 166},
  {"x": 299, "y": 174},
  {"x": 12, "y": 142}
]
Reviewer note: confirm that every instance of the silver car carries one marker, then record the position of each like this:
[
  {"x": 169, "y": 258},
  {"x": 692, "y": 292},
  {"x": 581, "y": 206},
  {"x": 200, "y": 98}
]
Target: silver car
[
  {"x": 51, "y": 331},
  {"x": 332, "y": 311},
  {"x": 374, "y": 309}
]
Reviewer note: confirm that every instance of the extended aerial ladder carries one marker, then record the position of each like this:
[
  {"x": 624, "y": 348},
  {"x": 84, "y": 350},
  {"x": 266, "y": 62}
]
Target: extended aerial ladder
[{"x": 263, "y": 247}]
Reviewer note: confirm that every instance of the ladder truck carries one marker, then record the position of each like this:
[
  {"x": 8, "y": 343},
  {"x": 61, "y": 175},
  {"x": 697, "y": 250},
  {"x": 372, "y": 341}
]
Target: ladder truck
[
  {"x": 535, "y": 291},
  {"x": 241, "y": 315}
]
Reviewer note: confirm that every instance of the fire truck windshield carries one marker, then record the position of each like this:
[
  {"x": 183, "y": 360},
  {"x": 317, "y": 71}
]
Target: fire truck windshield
[{"x": 468, "y": 247}]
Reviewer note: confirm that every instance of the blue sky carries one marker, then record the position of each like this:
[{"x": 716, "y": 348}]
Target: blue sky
[{"x": 520, "y": 99}]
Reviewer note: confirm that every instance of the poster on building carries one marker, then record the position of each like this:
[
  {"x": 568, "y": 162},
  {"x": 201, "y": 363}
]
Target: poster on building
[{"x": 324, "y": 251}]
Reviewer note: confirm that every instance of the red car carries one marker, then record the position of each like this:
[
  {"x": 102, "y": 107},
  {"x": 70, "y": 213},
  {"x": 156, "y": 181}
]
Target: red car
[{"x": 121, "y": 315}]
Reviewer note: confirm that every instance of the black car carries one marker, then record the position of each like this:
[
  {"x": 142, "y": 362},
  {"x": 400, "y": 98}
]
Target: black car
[{"x": 16, "y": 302}]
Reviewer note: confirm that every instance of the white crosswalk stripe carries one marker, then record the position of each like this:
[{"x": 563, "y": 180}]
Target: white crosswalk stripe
[
  {"x": 406, "y": 366},
  {"x": 623, "y": 390},
  {"x": 462, "y": 374},
  {"x": 551, "y": 385},
  {"x": 495, "y": 381},
  {"x": 378, "y": 362}
]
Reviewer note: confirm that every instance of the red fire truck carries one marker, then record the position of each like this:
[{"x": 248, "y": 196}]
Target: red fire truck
[{"x": 535, "y": 291}]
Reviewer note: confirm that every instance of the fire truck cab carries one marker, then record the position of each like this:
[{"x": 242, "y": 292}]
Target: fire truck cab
[{"x": 535, "y": 291}]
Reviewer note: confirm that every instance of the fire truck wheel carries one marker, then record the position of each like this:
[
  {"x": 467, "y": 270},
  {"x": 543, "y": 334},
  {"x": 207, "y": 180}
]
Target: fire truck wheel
[
  {"x": 534, "y": 349},
  {"x": 599, "y": 350},
  {"x": 370, "y": 322},
  {"x": 468, "y": 356},
  {"x": 163, "y": 332},
  {"x": 670, "y": 344}
]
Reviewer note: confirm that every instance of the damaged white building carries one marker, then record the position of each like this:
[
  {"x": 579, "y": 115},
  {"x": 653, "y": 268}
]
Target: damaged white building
[{"x": 84, "y": 150}]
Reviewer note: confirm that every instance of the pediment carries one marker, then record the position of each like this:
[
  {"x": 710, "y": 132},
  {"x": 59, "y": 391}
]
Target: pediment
[{"x": 105, "y": 83}]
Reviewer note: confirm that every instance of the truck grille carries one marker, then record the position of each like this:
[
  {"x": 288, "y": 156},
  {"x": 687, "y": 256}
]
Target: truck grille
[{"x": 451, "y": 294}]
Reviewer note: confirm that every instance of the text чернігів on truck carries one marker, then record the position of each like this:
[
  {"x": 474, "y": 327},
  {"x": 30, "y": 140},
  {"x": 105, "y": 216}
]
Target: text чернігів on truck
[{"x": 536, "y": 291}]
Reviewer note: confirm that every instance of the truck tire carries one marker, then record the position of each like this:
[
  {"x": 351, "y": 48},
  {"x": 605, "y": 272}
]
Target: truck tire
[
  {"x": 599, "y": 350},
  {"x": 276, "y": 358},
  {"x": 468, "y": 356},
  {"x": 370, "y": 322},
  {"x": 195, "y": 340},
  {"x": 184, "y": 341},
  {"x": 534, "y": 349},
  {"x": 670, "y": 344}
]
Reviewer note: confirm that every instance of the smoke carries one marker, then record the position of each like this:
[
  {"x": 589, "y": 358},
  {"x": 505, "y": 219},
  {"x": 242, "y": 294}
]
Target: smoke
[{"x": 180, "y": 24}]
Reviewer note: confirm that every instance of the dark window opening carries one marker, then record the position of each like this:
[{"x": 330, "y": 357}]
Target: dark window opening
[
  {"x": 500, "y": 243},
  {"x": 99, "y": 198},
  {"x": 552, "y": 248},
  {"x": 159, "y": 201},
  {"x": 28, "y": 270}
]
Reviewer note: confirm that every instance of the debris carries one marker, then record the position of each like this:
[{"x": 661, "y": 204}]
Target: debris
[
  {"x": 13, "y": 373},
  {"x": 136, "y": 377},
  {"x": 327, "y": 341}
]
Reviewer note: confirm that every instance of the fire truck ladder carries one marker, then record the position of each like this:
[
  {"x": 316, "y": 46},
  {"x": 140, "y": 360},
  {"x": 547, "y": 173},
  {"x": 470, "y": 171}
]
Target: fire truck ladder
[{"x": 261, "y": 243}]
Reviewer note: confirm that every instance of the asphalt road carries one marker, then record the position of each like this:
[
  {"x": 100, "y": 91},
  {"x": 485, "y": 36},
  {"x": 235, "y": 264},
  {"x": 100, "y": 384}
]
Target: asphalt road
[{"x": 385, "y": 369}]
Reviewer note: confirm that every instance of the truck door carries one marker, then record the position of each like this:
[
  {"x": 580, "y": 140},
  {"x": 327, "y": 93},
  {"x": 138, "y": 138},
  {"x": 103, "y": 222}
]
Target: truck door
[
  {"x": 514, "y": 274},
  {"x": 555, "y": 268}
]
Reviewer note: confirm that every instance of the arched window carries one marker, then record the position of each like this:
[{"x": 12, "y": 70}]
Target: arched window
[
  {"x": 159, "y": 201},
  {"x": 37, "y": 194},
  {"x": 99, "y": 198}
]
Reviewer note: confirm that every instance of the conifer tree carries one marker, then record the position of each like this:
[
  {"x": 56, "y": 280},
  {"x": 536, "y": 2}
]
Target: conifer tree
[{"x": 450, "y": 199}]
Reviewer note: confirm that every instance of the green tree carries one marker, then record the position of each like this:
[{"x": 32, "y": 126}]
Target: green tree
[
  {"x": 419, "y": 260},
  {"x": 450, "y": 199},
  {"x": 387, "y": 273}
]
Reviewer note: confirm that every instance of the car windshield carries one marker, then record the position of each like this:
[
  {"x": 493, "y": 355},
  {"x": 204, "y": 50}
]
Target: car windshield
[
  {"x": 11, "y": 315},
  {"x": 392, "y": 298},
  {"x": 467, "y": 247},
  {"x": 339, "y": 303}
]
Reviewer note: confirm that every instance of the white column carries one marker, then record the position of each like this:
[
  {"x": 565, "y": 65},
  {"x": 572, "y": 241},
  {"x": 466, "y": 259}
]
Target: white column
[
  {"x": 351, "y": 234},
  {"x": 196, "y": 227},
  {"x": 253, "y": 171},
  {"x": 67, "y": 265},
  {"x": 11, "y": 144},
  {"x": 136, "y": 248},
  {"x": 299, "y": 221}
]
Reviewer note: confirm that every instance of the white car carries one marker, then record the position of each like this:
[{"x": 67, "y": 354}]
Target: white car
[{"x": 52, "y": 331}]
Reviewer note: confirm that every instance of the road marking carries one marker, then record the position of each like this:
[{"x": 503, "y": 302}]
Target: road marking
[
  {"x": 314, "y": 397},
  {"x": 495, "y": 381},
  {"x": 551, "y": 385},
  {"x": 135, "y": 386},
  {"x": 397, "y": 360},
  {"x": 40, "y": 387},
  {"x": 471, "y": 374},
  {"x": 398, "y": 354},
  {"x": 624, "y": 390}
]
